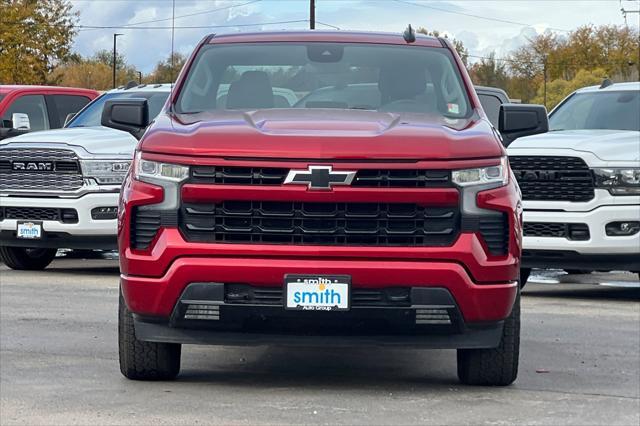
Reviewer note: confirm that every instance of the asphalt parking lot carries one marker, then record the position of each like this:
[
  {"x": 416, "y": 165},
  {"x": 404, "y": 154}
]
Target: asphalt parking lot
[{"x": 580, "y": 364}]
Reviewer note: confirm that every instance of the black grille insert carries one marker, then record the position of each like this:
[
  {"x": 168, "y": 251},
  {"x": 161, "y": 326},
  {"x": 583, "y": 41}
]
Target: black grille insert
[
  {"x": 372, "y": 178},
  {"x": 39, "y": 213},
  {"x": 494, "y": 229},
  {"x": 319, "y": 223},
  {"x": 145, "y": 225},
  {"x": 548, "y": 178},
  {"x": 570, "y": 231}
]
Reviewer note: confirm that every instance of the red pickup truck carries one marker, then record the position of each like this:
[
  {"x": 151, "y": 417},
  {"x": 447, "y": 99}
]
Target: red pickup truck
[
  {"x": 375, "y": 208},
  {"x": 31, "y": 108}
]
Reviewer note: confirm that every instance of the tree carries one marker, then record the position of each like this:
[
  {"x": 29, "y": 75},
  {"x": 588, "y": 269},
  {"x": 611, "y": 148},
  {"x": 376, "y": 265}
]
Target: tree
[
  {"x": 165, "y": 72},
  {"x": 489, "y": 72},
  {"x": 105, "y": 56},
  {"x": 95, "y": 72},
  {"x": 559, "y": 89},
  {"x": 457, "y": 44},
  {"x": 614, "y": 49},
  {"x": 35, "y": 35}
]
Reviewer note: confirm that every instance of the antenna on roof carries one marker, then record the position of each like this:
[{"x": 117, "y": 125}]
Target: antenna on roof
[
  {"x": 409, "y": 34},
  {"x": 606, "y": 83}
]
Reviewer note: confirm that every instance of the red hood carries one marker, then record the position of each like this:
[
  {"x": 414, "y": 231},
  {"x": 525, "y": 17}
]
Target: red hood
[{"x": 322, "y": 134}]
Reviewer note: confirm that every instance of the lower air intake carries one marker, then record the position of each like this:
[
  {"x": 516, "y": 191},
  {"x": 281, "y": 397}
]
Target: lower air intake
[
  {"x": 202, "y": 312},
  {"x": 432, "y": 316}
]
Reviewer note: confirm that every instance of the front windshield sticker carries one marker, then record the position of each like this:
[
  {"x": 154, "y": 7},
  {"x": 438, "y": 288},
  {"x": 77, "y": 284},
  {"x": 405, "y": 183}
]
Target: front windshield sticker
[{"x": 453, "y": 108}]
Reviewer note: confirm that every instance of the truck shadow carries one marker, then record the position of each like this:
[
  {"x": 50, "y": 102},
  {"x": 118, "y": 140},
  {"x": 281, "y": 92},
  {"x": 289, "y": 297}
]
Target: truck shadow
[{"x": 377, "y": 369}]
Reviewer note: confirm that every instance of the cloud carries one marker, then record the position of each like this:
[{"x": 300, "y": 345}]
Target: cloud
[{"x": 144, "y": 48}]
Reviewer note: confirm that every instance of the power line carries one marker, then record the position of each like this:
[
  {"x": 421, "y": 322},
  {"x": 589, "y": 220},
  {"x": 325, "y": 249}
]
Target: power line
[
  {"x": 506, "y": 21},
  {"x": 194, "y": 14},
  {"x": 542, "y": 62},
  {"x": 183, "y": 27},
  {"x": 184, "y": 16}
]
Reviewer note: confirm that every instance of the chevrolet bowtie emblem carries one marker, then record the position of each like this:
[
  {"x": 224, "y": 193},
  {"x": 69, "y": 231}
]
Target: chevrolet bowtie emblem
[{"x": 319, "y": 177}]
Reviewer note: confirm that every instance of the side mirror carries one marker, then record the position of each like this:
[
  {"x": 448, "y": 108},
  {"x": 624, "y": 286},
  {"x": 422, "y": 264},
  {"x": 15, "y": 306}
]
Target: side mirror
[
  {"x": 518, "y": 120},
  {"x": 130, "y": 115},
  {"x": 68, "y": 118},
  {"x": 20, "y": 121}
]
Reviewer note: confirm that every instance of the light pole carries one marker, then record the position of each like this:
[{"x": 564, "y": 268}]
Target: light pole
[
  {"x": 312, "y": 14},
  {"x": 115, "y": 36}
]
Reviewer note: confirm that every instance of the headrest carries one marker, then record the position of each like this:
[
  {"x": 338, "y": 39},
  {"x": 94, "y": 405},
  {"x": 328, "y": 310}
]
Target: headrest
[{"x": 252, "y": 91}]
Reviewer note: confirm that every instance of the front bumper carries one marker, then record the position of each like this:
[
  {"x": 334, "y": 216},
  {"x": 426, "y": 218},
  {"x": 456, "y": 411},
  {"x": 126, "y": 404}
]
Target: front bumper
[
  {"x": 599, "y": 248},
  {"x": 86, "y": 233},
  {"x": 212, "y": 313},
  {"x": 156, "y": 297}
]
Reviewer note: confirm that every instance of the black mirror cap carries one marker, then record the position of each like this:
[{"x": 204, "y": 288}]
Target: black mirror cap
[
  {"x": 518, "y": 120},
  {"x": 130, "y": 115}
]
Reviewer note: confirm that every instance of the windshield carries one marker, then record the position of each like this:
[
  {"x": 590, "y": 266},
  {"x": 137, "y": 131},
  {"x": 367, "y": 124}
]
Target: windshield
[
  {"x": 388, "y": 78},
  {"x": 91, "y": 115},
  {"x": 598, "y": 110}
]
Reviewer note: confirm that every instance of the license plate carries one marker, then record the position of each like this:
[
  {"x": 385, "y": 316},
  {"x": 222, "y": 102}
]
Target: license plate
[
  {"x": 318, "y": 292},
  {"x": 29, "y": 230}
]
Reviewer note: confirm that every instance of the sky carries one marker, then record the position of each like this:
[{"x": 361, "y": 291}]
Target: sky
[{"x": 483, "y": 26}]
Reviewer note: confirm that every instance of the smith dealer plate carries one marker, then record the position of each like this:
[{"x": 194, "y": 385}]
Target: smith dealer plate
[
  {"x": 29, "y": 230},
  {"x": 318, "y": 292}
]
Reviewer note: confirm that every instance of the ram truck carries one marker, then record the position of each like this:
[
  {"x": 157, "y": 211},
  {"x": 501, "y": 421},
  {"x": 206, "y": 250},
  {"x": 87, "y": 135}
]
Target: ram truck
[
  {"x": 347, "y": 220},
  {"x": 59, "y": 188},
  {"x": 581, "y": 183}
]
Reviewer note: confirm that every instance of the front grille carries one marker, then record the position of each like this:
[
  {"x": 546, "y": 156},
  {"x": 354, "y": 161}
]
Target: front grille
[
  {"x": 570, "y": 231},
  {"x": 319, "y": 223},
  {"x": 244, "y": 294},
  {"x": 54, "y": 170},
  {"x": 548, "y": 178},
  {"x": 364, "y": 178},
  {"x": 39, "y": 213}
]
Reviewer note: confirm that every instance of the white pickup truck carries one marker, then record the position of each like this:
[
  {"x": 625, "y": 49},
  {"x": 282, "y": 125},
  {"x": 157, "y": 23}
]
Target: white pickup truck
[
  {"x": 59, "y": 188},
  {"x": 580, "y": 183}
]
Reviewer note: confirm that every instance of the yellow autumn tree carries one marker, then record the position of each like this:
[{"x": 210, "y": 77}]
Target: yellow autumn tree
[
  {"x": 35, "y": 35},
  {"x": 559, "y": 89}
]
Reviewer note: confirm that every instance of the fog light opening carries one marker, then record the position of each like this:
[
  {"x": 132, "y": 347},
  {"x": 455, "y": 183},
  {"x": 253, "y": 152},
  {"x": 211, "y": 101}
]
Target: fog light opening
[
  {"x": 104, "y": 213},
  {"x": 622, "y": 228}
]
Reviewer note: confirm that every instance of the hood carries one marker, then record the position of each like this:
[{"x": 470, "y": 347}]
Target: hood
[
  {"x": 96, "y": 140},
  {"x": 322, "y": 134},
  {"x": 608, "y": 145}
]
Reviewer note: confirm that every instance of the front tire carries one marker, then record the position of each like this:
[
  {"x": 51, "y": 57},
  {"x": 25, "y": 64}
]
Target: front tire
[
  {"x": 144, "y": 360},
  {"x": 27, "y": 259},
  {"x": 524, "y": 276},
  {"x": 494, "y": 366}
]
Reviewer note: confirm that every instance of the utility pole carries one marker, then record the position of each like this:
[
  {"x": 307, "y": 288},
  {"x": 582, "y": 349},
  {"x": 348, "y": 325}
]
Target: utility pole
[
  {"x": 115, "y": 57},
  {"x": 140, "y": 77},
  {"x": 544, "y": 71},
  {"x": 312, "y": 14},
  {"x": 625, "y": 12}
]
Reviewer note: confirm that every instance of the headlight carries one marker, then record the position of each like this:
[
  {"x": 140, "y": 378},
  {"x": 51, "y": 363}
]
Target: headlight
[
  {"x": 146, "y": 169},
  {"x": 618, "y": 181},
  {"x": 105, "y": 172},
  {"x": 498, "y": 174}
]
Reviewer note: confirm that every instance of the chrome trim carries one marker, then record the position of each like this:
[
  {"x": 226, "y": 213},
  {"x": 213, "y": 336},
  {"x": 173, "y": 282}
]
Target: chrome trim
[
  {"x": 82, "y": 191},
  {"x": 82, "y": 154}
]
